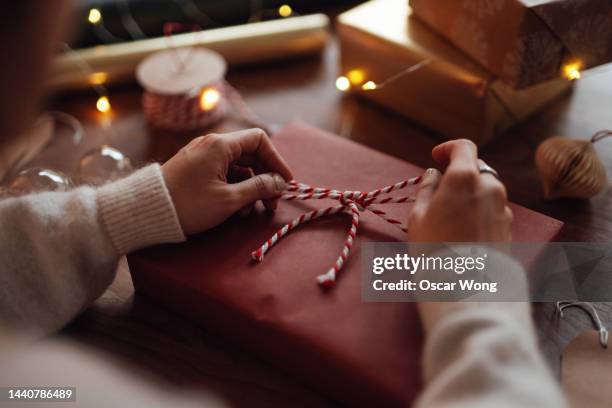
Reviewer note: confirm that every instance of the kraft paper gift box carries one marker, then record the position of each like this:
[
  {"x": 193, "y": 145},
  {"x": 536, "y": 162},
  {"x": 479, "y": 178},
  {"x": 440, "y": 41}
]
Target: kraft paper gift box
[
  {"x": 451, "y": 94},
  {"x": 525, "y": 42},
  {"x": 356, "y": 352}
]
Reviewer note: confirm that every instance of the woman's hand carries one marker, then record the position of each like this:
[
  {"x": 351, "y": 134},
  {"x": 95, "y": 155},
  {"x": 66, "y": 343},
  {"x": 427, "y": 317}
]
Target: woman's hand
[
  {"x": 198, "y": 177},
  {"x": 463, "y": 205}
]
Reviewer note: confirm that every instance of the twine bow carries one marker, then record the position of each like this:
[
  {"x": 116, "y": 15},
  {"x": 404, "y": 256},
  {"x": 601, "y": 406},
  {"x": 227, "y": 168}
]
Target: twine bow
[{"x": 351, "y": 202}]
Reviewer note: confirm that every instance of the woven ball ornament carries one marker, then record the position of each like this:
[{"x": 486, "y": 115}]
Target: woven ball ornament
[{"x": 571, "y": 168}]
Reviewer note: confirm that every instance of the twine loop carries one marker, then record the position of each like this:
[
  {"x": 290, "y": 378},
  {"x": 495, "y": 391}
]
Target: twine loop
[{"x": 352, "y": 203}]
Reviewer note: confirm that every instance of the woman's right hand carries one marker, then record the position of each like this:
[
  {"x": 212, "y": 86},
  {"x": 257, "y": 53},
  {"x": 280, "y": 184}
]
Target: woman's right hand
[
  {"x": 198, "y": 177},
  {"x": 463, "y": 205}
]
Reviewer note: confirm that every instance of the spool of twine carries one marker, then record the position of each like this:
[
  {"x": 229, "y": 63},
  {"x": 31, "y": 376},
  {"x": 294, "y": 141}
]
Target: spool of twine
[{"x": 184, "y": 89}]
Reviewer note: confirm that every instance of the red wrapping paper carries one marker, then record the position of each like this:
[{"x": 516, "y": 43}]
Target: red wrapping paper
[{"x": 358, "y": 353}]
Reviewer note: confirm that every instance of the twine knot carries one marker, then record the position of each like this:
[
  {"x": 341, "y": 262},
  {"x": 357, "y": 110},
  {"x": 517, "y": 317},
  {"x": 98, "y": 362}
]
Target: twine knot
[{"x": 350, "y": 202}]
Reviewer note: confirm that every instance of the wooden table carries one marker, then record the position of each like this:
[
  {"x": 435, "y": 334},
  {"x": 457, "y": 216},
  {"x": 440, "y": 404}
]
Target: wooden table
[{"x": 148, "y": 338}]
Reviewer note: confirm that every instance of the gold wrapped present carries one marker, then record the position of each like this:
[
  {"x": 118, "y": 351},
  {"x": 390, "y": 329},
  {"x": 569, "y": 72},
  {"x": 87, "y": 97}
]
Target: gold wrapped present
[
  {"x": 450, "y": 93},
  {"x": 525, "y": 42}
]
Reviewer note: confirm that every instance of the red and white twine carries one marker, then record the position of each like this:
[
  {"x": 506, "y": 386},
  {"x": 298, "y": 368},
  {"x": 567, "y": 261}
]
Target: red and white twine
[
  {"x": 351, "y": 202},
  {"x": 183, "y": 112}
]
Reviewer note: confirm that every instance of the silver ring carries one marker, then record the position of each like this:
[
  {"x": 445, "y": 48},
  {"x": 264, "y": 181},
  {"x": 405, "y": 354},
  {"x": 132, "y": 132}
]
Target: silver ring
[{"x": 485, "y": 168}]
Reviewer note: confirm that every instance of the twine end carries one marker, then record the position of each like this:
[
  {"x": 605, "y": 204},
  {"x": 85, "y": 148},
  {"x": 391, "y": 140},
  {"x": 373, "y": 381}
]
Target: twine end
[
  {"x": 328, "y": 279},
  {"x": 257, "y": 255}
]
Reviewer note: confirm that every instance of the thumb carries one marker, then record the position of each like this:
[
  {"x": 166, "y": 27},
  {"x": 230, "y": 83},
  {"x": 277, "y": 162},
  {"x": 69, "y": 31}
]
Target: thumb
[
  {"x": 259, "y": 187},
  {"x": 427, "y": 187}
]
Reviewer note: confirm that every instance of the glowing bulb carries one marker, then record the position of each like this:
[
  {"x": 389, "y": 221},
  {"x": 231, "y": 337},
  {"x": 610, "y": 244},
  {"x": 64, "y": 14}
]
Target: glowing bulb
[
  {"x": 343, "y": 84},
  {"x": 572, "y": 71},
  {"x": 103, "y": 104},
  {"x": 355, "y": 76},
  {"x": 285, "y": 10},
  {"x": 98, "y": 78},
  {"x": 369, "y": 86},
  {"x": 209, "y": 99},
  {"x": 94, "y": 16}
]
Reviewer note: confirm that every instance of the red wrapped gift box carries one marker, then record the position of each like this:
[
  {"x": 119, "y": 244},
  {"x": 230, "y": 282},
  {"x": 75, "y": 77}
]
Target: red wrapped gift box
[{"x": 358, "y": 353}]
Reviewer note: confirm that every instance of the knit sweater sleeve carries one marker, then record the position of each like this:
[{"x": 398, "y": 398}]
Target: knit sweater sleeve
[
  {"x": 60, "y": 250},
  {"x": 485, "y": 354}
]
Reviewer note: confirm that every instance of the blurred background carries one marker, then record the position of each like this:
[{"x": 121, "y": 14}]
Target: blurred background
[
  {"x": 126, "y": 20},
  {"x": 374, "y": 72}
]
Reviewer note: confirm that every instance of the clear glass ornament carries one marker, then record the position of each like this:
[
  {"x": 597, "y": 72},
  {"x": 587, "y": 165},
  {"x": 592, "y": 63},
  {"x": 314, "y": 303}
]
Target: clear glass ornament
[
  {"x": 60, "y": 119},
  {"x": 38, "y": 179},
  {"x": 101, "y": 165}
]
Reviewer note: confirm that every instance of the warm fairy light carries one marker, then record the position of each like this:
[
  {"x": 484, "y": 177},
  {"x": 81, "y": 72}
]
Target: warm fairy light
[
  {"x": 103, "y": 104},
  {"x": 343, "y": 83},
  {"x": 209, "y": 99},
  {"x": 355, "y": 76},
  {"x": 94, "y": 16},
  {"x": 369, "y": 86},
  {"x": 572, "y": 71},
  {"x": 98, "y": 78},
  {"x": 285, "y": 10}
]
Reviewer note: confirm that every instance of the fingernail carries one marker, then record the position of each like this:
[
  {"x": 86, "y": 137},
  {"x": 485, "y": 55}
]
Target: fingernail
[
  {"x": 428, "y": 175},
  {"x": 279, "y": 182}
]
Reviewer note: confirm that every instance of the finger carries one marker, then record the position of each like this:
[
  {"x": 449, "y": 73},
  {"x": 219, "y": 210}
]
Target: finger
[
  {"x": 255, "y": 142},
  {"x": 482, "y": 163},
  {"x": 509, "y": 214},
  {"x": 427, "y": 187},
  {"x": 259, "y": 187},
  {"x": 238, "y": 174},
  {"x": 510, "y": 219},
  {"x": 457, "y": 155},
  {"x": 271, "y": 203},
  {"x": 493, "y": 185},
  {"x": 241, "y": 174}
]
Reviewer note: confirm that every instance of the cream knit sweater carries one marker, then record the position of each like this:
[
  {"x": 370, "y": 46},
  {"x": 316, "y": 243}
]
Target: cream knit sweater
[{"x": 60, "y": 251}]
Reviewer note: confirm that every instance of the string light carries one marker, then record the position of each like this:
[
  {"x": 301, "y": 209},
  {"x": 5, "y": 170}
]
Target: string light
[
  {"x": 356, "y": 76},
  {"x": 285, "y": 10},
  {"x": 94, "y": 16},
  {"x": 209, "y": 99},
  {"x": 189, "y": 7},
  {"x": 103, "y": 104},
  {"x": 369, "y": 86},
  {"x": 571, "y": 71},
  {"x": 343, "y": 83},
  {"x": 98, "y": 78}
]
